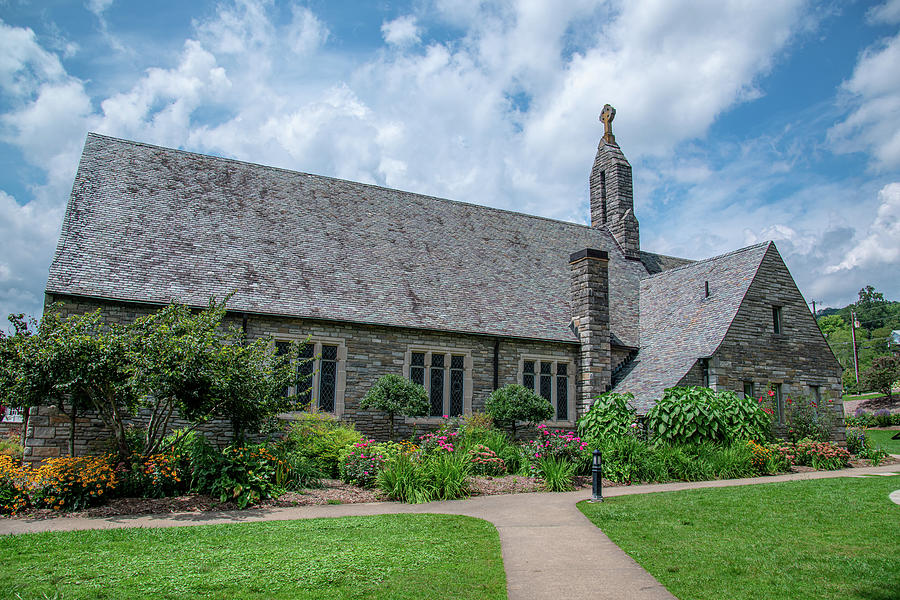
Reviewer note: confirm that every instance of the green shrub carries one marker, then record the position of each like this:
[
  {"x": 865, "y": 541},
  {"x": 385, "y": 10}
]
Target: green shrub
[
  {"x": 883, "y": 418},
  {"x": 515, "y": 403},
  {"x": 806, "y": 419},
  {"x": 557, "y": 473},
  {"x": 321, "y": 439},
  {"x": 242, "y": 474},
  {"x": 692, "y": 415},
  {"x": 396, "y": 395},
  {"x": 611, "y": 414},
  {"x": 296, "y": 472}
]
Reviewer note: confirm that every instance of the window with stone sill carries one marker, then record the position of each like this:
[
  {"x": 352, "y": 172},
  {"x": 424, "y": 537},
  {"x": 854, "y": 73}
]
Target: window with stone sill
[
  {"x": 553, "y": 379},
  {"x": 321, "y": 375},
  {"x": 446, "y": 375}
]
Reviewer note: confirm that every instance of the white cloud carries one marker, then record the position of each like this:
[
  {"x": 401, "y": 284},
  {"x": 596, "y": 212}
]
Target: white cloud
[
  {"x": 874, "y": 123},
  {"x": 402, "y": 31},
  {"x": 881, "y": 245},
  {"x": 889, "y": 13},
  {"x": 505, "y": 114}
]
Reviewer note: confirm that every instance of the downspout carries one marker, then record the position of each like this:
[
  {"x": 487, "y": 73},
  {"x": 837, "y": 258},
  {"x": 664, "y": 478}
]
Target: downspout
[{"x": 496, "y": 363}]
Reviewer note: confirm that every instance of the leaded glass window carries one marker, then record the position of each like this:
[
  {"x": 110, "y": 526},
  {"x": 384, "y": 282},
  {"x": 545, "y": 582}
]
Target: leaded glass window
[
  {"x": 546, "y": 390},
  {"x": 562, "y": 392},
  {"x": 437, "y": 385},
  {"x": 443, "y": 374},
  {"x": 305, "y": 369},
  {"x": 417, "y": 368},
  {"x": 457, "y": 373},
  {"x": 549, "y": 378},
  {"x": 328, "y": 378},
  {"x": 528, "y": 375},
  {"x": 748, "y": 389},
  {"x": 319, "y": 375}
]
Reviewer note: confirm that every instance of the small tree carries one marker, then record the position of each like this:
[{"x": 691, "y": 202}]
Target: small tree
[
  {"x": 394, "y": 395},
  {"x": 883, "y": 374},
  {"x": 173, "y": 362},
  {"x": 513, "y": 403}
]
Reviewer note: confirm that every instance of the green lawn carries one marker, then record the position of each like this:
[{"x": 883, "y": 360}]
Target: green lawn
[
  {"x": 882, "y": 437},
  {"x": 868, "y": 396},
  {"x": 827, "y": 538},
  {"x": 390, "y": 556}
]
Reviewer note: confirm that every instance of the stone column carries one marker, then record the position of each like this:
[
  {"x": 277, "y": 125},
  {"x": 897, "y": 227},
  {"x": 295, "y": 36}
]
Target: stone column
[{"x": 590, "y": 311}]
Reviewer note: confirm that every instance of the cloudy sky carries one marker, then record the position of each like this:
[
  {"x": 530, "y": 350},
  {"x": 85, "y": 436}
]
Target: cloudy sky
[{"x": 744, "y": 120}]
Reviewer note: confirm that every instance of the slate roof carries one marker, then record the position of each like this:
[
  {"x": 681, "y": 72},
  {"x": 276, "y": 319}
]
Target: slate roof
[
  {"x": 152, "y": 224},
  {"x": 679, "y": 324}
]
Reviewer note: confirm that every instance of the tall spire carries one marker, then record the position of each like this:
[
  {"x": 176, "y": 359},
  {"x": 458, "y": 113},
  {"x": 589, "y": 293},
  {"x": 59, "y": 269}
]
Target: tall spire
[{"x": 612, "y": 195}]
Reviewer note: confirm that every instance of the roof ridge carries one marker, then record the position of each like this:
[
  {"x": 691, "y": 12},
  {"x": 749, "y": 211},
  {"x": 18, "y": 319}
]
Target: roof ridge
[
  {"x": 706, "y": 260},
  {"x": 370, "y": 185}
]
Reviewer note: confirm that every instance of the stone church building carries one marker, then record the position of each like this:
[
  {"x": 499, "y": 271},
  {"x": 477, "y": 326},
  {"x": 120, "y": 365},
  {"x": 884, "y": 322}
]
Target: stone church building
[{"x": 459, "y": 297}]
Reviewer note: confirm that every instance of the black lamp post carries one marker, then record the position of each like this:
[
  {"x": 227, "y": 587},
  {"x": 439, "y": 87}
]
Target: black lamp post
[{"x": 597, "y": 472}]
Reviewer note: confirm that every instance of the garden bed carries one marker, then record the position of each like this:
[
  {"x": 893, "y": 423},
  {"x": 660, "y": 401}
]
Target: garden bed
[{"x": 333, "y": 491}]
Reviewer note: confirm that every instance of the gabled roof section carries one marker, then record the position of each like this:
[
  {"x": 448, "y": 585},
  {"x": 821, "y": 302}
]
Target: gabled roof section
[
  {"x": 153, "y": 224},
  {"x": 679, "y": 324}
]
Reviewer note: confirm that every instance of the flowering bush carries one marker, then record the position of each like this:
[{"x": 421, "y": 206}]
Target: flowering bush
[
  {"x": 435, "y": 442},
  {"x": 72, "y": 483},
  {"x": 825, "y": 456},
  {"x": 362, "y": 464},
  {"x": 156, "y": 476},
  {"x": 14, "y": 485},
  {"x": 807, "y": 419},
  {"x": 564, "y": 445},
  {"x": 486, "y": 462},
  {"x": 882, "y": 418},
  {"x": 760, "y": 456}
]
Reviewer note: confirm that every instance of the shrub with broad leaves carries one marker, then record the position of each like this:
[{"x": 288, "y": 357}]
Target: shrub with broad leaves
[{"x": 611, "y": 414}]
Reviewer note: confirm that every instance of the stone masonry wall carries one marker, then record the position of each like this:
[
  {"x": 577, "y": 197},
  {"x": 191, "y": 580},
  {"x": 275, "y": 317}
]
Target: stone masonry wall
[
  {"x": 370, "y": 352},
  {"x": 797, "y": 358}
]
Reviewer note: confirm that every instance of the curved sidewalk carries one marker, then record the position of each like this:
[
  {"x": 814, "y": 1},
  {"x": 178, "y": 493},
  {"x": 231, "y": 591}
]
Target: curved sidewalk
[{"x": 549, "y": 548}]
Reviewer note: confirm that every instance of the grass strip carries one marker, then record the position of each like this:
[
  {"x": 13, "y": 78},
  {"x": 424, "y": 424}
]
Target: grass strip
[
  {"x": 882, "y": 438},
  {"x": 388, "y": 556},
  {"x": 828, "y": 538}
]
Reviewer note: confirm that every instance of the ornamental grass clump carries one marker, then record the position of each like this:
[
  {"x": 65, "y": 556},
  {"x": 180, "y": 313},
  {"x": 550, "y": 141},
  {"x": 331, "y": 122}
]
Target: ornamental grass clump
[{"x": 557, "y": 473}]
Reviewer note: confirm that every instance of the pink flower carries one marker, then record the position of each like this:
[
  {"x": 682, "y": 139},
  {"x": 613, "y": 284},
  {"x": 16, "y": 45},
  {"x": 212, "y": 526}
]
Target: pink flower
[{"x": 446, "y": 416}]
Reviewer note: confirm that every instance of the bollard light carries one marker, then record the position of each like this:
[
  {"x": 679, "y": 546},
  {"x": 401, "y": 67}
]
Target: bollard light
[{"x": 597, "y": 472}]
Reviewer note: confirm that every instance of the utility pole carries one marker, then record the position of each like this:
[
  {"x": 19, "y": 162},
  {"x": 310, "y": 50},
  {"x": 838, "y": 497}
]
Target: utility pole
[{"x": 853, "y": 337}]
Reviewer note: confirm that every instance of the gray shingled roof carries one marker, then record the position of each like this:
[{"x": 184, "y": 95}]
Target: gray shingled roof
[
  {"x": 153, "y": 224},
  {"x": 679, "y": 324}
]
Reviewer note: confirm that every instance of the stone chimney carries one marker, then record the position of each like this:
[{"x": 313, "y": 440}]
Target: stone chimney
[
  {"x": 612, "y": 197},
  {"x": 589, "y": 269}
]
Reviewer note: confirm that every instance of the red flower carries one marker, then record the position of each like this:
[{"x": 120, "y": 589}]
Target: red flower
[{"x": 771, "y": 394}]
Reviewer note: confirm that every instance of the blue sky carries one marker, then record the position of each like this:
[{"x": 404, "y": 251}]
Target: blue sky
[{"x": 744, "y": 121}]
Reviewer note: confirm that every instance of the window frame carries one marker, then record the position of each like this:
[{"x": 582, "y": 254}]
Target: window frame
[
  {"x": 571, "y": 374},
  {"x": 340, "y": 383},
  {"x": 748, "y": 384},
  {"x": 448, "y": 353},
  {"x": 13, "y": 415},
  {"x": 777, "y": 320}
]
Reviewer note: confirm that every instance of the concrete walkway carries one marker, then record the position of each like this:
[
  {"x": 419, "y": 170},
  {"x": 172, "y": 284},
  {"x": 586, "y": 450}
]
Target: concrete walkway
[{"x": 549, "y": 548}]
